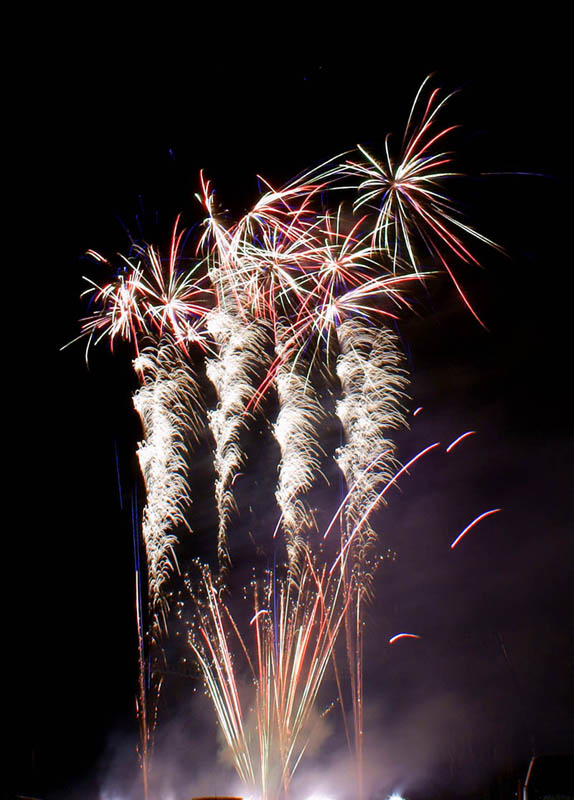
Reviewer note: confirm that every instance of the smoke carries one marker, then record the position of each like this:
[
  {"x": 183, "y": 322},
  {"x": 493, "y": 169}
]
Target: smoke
[{"x": 189, "y": 759}]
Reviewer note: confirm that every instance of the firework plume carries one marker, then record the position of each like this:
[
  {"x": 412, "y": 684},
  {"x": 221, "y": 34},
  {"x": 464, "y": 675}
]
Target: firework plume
[
  {"x": 158, "y": 308},
  {"x": 296, "y": 433},
  {"x": 169, "y": 404},
  {"x": 372, "y": 383},
  {"x": 240, "y": 353}
]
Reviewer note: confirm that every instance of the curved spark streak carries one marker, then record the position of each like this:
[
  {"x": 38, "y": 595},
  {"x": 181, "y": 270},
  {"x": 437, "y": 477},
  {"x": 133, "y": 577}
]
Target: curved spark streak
[
  {"x": 379, "y": 496},
  {"x": 343, "y": 502},
  {"x": 459, "y": 439},
  {"x": 255, "y": 616},
  {"x": 403, "y": 636},
  {"x": 472, "y": 524}
]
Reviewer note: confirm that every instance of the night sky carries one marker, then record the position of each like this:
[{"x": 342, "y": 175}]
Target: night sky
[{"x": 112, "y": 130}]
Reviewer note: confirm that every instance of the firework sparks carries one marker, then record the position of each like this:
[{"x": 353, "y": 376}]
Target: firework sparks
[
  {"x": 169, "y": 404},
  {"x": 399, "y": 636},
  {"x": 295, "y": 627},
  {"x": 406, "y": 193},
  {"x": 240, "y": 353},
  {"x": 150, "y": 297},
  {"x": 459, "y": 439},
  {"x": 296, "y": 433},
  {"x": 317, "y": 288},
  {"x": 162, "y": 305},
  {"x": 372, "y": 387},
  {"x": 159, "y": 310},
  {"x": 472, "y": 524}
]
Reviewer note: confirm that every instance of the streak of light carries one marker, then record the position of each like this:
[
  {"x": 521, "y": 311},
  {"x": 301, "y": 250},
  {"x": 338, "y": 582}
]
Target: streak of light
[
  {"x": 459, "y": 439},
  {"x": 403, "y": 636},
  {"x": 472, "y": 524}
]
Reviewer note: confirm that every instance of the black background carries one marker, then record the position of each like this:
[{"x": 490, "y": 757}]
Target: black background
[{"x": 112, "y": 124}]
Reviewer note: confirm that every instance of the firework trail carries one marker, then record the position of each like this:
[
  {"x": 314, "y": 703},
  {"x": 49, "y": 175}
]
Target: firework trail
[
  {"x": 210, "y": 642},
  {"x": 169, "y": 404},
  {"x": 294, "y": 647},
  {"x": 372, "y": 384},
  {"x": 241, "y": 350},
  {"x": 295, "y": 430},
  {"x": 158, "y": 309},
  {"x": 161, "y": 307},
  {"x": 261, "y": 271},
  {"x": 241, "y": 353}
]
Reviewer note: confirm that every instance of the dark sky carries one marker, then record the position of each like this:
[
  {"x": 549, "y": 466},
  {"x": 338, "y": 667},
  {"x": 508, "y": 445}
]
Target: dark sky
[{"x": 112, "y": 127}]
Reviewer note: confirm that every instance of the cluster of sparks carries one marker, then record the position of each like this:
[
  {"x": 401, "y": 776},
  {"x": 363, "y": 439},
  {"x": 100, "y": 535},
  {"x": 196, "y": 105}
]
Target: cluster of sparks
[
  {"x": 295, "y": 625},
  {"x": 268, "y": 306}
]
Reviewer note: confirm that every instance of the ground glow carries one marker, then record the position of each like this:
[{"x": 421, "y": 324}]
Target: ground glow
[{"x": 318, "y": 797}]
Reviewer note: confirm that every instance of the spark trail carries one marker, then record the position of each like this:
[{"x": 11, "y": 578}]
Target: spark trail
[
  {"x": 295, "y": 430},
  {"x": 373, "y": 383},
  {"x": 241, "y": 350},
  {"x": 158, "y": 308},
  {"x": 170, "y": 407}
]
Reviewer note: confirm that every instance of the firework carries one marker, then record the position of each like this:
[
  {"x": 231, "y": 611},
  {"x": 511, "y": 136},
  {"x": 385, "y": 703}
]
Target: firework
[
  {"x": 373, "y": 388},
  {"x": 407, "y": 197},
  {"x": 291, "y": 292},
  {"x": 472, "y": 524},
  {"x": 149, "y": 297},
  {"x": 240, "y": 353},
  {"x": 169, "y": 406},
  {"x": 294, "y": 627},
  {"x": 296, "y": 433},
  {"x": 158, "y": 308},
  {"x": 261, "y": 270},
  {"x": 373, "y": 383}
]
